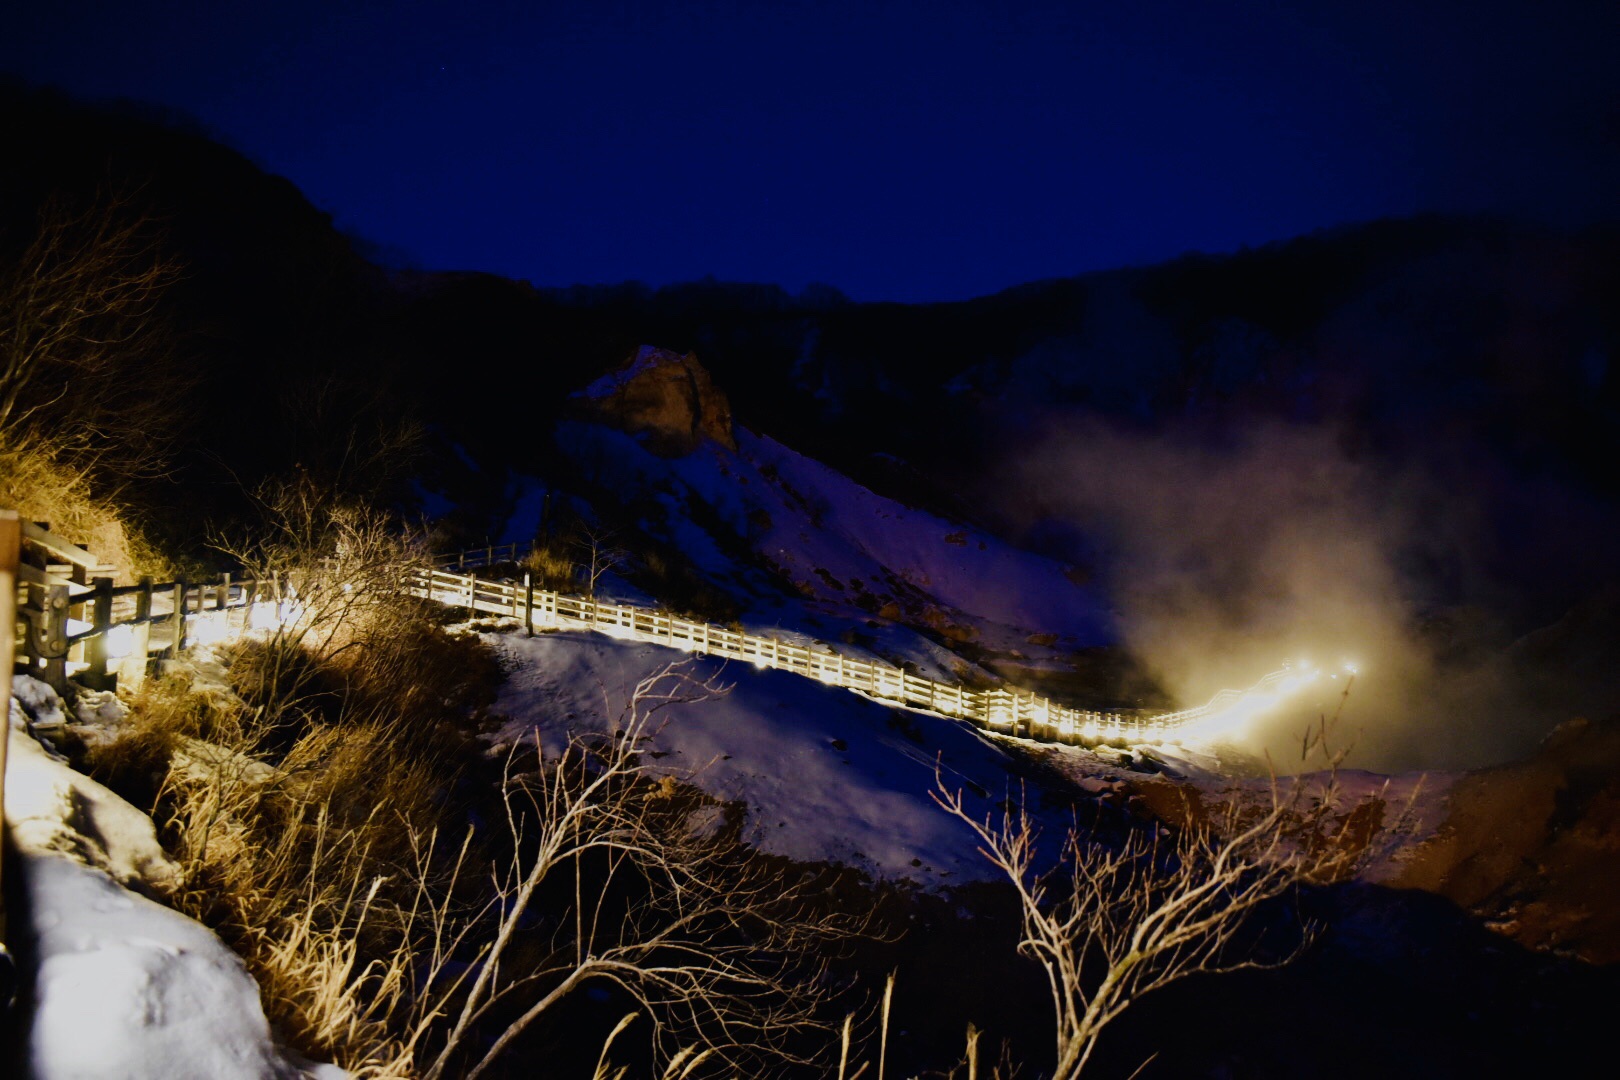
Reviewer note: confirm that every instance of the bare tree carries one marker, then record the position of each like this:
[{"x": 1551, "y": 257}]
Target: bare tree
[
  {"x": 87, "y": 364},
  {"x": 722, "y": 955},
  {"x": 349, "y": 434},
  {"x": 599, "y": 554},
  {"x": 1114, "y": 922}
]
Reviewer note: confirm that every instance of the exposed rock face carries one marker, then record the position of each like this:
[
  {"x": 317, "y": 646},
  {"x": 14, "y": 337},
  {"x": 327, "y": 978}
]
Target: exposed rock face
[
  {"x": 1534, "y": 847},
  {"x": 667, "y": 399}
]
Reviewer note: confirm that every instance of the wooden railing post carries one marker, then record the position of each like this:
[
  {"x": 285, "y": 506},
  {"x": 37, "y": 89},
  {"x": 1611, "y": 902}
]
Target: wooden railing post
[
  {"x": 178, "y": 620},
  {"x": 528, "y": 604},
  {"x": 95, "y": 646},
  {"x": 133, "y": 669},
  {"x": 53, "y": 637},
  {"x": 10, "y": 557}
]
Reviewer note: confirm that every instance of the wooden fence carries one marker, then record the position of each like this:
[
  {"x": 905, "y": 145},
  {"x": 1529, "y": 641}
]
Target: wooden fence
[
  {"x": 1009, "y": 711},
  {"x": 77, "y": 623}
]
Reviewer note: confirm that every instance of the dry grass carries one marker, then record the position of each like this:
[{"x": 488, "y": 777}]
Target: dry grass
[
  {"x": 297, "y": 808},
  {"x": 309, "y": 869},
  {"x": 551, "y": 566},
  {"x": 40, "y": 486}
]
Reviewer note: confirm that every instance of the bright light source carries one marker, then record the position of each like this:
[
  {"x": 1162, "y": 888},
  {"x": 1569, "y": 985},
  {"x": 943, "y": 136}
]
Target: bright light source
[
  {"x": 1230, "y": 712},
  {"x": 120, "y": 642},
  {"x": 263, "y": 617},
  {"x": 207, "y": 629}
]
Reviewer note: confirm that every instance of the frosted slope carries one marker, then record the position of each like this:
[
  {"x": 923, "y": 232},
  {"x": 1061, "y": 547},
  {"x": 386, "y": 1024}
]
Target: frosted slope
[
  {"x": 837, "y": 541},
  {"x": 825, "y": 774}
]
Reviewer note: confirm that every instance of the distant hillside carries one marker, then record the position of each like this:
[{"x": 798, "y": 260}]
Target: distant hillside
[{"x": 1402, "y": 434}]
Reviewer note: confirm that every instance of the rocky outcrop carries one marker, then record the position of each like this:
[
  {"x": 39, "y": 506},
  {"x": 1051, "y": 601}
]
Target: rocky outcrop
[
  {"x": 666, "y": 399},
  {"x": 1534, "y": 847}
]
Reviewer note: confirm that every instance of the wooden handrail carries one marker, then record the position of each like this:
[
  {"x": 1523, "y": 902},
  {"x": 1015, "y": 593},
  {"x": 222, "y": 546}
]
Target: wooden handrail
[{"x": 59, "y": 547}]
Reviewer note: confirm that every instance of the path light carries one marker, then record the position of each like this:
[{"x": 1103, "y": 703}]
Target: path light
[
  {"x": 207, "y": 628},
  {"x": 120, "y": 642},
  {"x": 264, "y": 617}
]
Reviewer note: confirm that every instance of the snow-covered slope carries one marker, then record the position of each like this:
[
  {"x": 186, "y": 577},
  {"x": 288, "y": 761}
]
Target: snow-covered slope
[
  {"x": 820, "y": 773},
  {"x": 763, "y": 505}
]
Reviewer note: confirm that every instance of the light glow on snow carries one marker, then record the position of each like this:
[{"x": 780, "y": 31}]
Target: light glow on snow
[
  {"x": 1230, "y": 713},
  {"x": 207, "y": 628}
]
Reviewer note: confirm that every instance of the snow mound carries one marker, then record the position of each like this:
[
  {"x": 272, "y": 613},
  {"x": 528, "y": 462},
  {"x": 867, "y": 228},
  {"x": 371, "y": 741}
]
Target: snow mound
[
  {"x": 123, "y": 988},
  {"x": 51, "y": 809},
  {"x": 128, "y": 988}
]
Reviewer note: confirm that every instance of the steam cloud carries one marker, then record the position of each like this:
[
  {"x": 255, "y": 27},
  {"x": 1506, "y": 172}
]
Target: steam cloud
[{"x": 1228, "y": 555}]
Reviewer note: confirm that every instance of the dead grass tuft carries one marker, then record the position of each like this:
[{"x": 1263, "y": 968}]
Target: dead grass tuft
[
  {"x": 40, "y": 486},
  {"x": 550, "y": 566},
  {"x": 297, "y": 807}
]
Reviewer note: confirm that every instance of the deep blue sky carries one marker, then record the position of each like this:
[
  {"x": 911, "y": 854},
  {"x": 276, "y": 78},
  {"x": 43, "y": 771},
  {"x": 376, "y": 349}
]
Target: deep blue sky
[{"x": 911, "y": 151}]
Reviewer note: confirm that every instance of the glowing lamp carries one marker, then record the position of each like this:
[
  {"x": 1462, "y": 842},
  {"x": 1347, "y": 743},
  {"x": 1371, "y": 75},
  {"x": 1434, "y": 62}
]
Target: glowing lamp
[{"x": 120, "y": 642}]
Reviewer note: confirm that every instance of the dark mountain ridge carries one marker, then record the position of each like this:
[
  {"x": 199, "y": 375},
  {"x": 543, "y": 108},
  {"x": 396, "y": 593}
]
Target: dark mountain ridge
[{"x": 1439, "y": 395}]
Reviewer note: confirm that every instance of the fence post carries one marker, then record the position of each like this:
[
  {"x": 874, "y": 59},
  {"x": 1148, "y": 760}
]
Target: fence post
[
  {"x": 95, "y": 646},
  {"x": 528, "y": 604},
  {"x": 133, "y": 670},
  {"x": 10, "y": 557},
  {"x": 178, "y": 619},
  {"x": 54, "y": 643}
]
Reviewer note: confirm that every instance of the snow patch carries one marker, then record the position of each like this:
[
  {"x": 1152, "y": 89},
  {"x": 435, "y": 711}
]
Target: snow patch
[
  {"x": 124, "y": 988},
  {"x": 825, "y": 774},
  {"x": 51, "y": 809}
]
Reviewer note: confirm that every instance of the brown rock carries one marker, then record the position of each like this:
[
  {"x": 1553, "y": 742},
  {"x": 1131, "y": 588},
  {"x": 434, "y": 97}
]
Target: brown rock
[
  {"x": 667, "y": 399},
  {"x": 1534, "y": 847}
]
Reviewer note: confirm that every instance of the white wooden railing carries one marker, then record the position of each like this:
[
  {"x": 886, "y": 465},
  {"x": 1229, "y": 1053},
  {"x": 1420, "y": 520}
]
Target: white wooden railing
[
  {"x": 76, "y": 624},
  {"x": 1010, "y": 711}
]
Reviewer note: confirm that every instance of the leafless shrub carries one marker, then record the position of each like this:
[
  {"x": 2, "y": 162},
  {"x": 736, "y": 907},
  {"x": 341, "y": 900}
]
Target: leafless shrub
[
  {"x": 337, "y": 568},
  {"x": 1114, "y": 922},
  {"x": 598, "y": 553},
  {"x": 721, "y": 955},
  {"x": 88, "y": 366}
]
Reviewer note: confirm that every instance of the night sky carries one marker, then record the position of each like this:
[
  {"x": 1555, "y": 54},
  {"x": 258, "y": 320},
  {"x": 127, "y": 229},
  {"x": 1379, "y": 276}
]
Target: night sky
[{"x": 906, "y": 151}]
